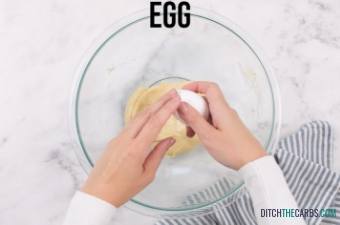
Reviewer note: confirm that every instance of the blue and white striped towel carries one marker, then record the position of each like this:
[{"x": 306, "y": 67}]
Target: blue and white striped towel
[{"x": 305, "y": 158}]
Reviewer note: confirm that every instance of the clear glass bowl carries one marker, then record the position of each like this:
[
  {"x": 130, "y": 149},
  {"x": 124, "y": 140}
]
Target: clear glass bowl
[{"x": 131, "y": 54}]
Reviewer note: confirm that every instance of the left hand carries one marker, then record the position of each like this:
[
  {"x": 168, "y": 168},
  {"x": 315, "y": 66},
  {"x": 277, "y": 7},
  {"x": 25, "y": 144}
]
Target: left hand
[{"x": 129, "y": 163}]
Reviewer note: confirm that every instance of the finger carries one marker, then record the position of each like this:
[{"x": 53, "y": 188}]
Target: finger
[
  {"x": 190, "y": 132},
  {"x": 211, "y": 90},
  {"x": 217, "y": 104},
  {"x": 154, "y": 125},
  {"x": 136, "y": 124},
  {"x": 154, "y": 159},
  {"x": 198, "y": 124}
]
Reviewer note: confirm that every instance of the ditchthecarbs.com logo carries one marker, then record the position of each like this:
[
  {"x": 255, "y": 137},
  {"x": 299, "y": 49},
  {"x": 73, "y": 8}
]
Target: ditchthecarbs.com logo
[{"x": 292, "y": 213}]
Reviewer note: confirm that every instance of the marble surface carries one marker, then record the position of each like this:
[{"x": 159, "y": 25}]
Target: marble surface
[{"x": 42, "y": 42}]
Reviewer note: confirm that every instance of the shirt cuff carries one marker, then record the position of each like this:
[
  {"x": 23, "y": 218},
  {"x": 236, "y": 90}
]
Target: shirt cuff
[
  {"x": 266, "y": 184},
  {"x": 263, "y": 166},
  {"x": 86, "y": 209}
]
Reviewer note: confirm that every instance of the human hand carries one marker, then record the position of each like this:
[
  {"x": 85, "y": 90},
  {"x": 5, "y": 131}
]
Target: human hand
[
  {"x": 225, "y": 136},
  {"x": 129, "y": 163}
]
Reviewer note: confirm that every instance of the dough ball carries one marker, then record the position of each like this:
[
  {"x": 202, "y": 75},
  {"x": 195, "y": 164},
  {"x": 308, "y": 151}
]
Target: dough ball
[{"x": 143, "y": 97}]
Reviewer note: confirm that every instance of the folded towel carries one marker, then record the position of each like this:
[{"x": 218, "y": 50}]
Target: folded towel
[{"x": 306, "y": 160}]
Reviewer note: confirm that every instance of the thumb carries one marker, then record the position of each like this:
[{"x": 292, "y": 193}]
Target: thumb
[
  {"x": 154, "y": 159},
  {"x": 196, "y": 121}
]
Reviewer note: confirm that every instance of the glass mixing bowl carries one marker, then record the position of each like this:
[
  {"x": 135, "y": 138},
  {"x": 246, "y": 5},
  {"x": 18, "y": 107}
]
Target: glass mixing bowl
[{"x": 131, "y": 54}]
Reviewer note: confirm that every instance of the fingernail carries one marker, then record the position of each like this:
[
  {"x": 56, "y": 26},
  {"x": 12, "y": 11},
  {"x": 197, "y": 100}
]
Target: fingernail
[
  {"x": 171, "y": 141},
  {"x": 172, "y": 92}
]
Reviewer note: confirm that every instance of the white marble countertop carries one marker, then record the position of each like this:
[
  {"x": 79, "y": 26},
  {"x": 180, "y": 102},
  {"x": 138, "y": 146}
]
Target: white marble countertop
[{"x": 41, "y": 43}]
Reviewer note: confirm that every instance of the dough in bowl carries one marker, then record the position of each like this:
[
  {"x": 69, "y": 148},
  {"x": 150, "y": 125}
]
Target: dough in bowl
[{"x": 145, "y": 96}]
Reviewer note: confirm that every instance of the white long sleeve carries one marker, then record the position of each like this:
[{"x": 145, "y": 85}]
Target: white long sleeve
[
  {"x": 86, "y": 209},
  {"x": 263, "y": 179},
  {"x": 269, "y": 190}
]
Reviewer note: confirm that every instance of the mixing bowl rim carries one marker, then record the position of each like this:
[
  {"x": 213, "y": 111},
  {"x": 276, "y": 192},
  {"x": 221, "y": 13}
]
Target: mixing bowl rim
[{"x": 117, "y": 27}]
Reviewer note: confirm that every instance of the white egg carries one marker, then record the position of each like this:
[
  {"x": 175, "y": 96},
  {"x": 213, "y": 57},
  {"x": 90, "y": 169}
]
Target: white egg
[{"x": 195, "y": 100}]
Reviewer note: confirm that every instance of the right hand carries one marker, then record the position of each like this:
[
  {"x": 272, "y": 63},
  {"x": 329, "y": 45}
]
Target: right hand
[{"x": 226, "y": 138}]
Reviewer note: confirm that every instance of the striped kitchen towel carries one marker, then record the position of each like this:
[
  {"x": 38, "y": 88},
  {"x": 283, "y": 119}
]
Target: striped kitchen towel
[{"x": 306, "y": 159}]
